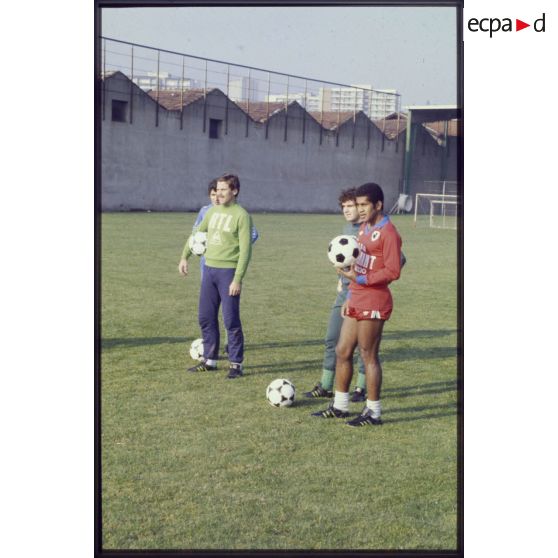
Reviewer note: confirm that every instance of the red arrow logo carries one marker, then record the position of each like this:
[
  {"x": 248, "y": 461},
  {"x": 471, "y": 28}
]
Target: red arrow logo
[{"x": 519, "y": 25}]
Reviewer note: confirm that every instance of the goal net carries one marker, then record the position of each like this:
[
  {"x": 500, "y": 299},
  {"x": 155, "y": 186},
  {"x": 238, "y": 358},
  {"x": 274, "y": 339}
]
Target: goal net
[{"x": 437, "y": 206}]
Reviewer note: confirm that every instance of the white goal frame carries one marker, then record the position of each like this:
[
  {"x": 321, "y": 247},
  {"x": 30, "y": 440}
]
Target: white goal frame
[
  {"x": 443, "y": 203},
  {"x": 433, "y": 199}
]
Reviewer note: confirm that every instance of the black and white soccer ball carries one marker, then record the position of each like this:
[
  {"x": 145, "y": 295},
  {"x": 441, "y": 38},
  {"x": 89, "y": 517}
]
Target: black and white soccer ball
[
  {"x": 280, "y": 393},
  {"x": 198, "y": 243},
  {"x": 343, "y": 251},
  {"x": 196, "y": 349}
]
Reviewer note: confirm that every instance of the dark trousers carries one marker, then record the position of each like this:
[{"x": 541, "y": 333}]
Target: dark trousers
[{"x": 214, "y": 292}]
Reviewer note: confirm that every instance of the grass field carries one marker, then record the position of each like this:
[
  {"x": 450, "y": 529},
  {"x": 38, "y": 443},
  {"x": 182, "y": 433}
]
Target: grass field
[{"x": 196, "y": 461}]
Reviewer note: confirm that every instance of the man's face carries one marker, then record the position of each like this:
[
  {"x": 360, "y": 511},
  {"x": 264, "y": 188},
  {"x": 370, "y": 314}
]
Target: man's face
[
  {"x": 224, "y": 193},
  {"x": 368, "y": 211},
  {"x": 350, "y": 211},
  {"x": 213, "y": 197}
]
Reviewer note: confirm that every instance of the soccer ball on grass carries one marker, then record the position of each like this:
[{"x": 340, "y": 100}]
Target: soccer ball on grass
[
  {"x": 198, "y": 243},
  {"x": 196, "y": 349},
  {"x": 343, "y": 251},
  {"x": 280, "y": 393}
]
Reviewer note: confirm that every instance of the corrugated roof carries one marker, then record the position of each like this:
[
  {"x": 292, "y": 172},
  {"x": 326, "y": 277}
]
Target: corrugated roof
[
  {"x": 395, "y": 115},
  {"x": 175, "y": 99},
  {"x": 331, "y": 119},
  {"x": 260, "y": 111},
  {"x": 438, "y": 127},
  {"x": 391, "y": 128}
]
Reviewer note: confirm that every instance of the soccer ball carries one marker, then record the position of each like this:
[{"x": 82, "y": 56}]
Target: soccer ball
[
  {"x": 196, "y": 349},
  {"x": 280, "y": 393},
  {"x": 343, "y": 251},
  {"x": 198, "y": 243}
]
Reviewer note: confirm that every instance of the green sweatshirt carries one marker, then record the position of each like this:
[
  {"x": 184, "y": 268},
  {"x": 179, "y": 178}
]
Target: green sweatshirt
[{"x": 228, "y": 238}]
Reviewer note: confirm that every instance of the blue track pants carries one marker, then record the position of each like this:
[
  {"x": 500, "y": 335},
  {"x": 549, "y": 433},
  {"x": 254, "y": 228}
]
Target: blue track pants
[{"x": 213, "y": 293}]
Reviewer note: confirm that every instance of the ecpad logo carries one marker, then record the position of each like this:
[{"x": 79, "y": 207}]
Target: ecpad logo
[{"x": 494, "y": 24}]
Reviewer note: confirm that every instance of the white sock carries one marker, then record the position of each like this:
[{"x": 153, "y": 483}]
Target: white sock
[
  {"x": 210, "y": 362},
  {"x": 375, "y": 407},
  {"x": 341, "y": 401}
]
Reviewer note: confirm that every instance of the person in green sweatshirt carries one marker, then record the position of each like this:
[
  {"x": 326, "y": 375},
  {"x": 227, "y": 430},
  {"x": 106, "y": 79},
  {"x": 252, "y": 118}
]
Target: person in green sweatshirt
[{"x": 229, "y": 248}]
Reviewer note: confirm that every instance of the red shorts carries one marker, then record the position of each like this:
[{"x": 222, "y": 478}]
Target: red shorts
[
  {"x": 370, "y": 304},
  {"x": 369, "y": 314}
]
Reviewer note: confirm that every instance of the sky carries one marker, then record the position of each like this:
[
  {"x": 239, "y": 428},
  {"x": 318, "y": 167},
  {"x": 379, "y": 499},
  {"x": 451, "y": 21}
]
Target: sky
[{"x": 410, "y": 49}]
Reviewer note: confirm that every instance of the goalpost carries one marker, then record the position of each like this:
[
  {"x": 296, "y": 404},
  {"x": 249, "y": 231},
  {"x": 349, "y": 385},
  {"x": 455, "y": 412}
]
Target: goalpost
[
  {"x": 443, "y": 214},
  {"x": 438, "y": 206}
]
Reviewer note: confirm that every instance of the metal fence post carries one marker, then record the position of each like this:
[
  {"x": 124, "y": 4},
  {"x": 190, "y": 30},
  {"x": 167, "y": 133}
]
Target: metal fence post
[
  {"x": 248, "y": 102},
  {"x": 227, "y": 102},
  {"x": 157, "y": 93},
  {"x": 305, "y": 109},
  {"x": 322, "y": 116},
  {"x": 132, "y": 88},
  {"x": 286, "y": 110},
  {"x": 205, "y": 99},
  {"x": 104, "y": 76},
  {"x": 182, "y": 97},
  {"x": 384, "y": 122},
  {"x": 338, "y": 119},
  {"x": 354, "y": 119},
  {"x": 397, "y": 131},
  {"x": 267, "y": 107}
]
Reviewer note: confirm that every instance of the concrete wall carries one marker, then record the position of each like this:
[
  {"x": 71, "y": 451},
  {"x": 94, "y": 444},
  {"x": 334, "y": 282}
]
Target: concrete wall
[
  {"x": 431, "y": 162},
  {"x": 164, "y": 167}
]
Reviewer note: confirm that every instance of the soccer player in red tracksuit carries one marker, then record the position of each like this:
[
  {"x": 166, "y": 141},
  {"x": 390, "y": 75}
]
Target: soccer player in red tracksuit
[{"x": 368, "y": 306}]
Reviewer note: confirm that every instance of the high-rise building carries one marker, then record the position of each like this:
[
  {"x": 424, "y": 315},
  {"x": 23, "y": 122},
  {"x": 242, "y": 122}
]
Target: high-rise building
[
  {"x": 375, "y": 103},
  {"x": 310, "y": 101},
  {"x": 383, "y": 102},
  {"x": 166, "y": 81},
  {"x": 243, "y": 89},
  {"x": 346, "y": 98}
]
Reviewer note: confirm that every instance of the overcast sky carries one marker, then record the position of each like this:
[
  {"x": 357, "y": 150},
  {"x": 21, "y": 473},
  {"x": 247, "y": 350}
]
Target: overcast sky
[{"x": 411, "y": 49}]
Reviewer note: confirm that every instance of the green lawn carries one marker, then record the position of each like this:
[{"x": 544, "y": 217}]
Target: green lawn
[{"x": 196, "y": 461}]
